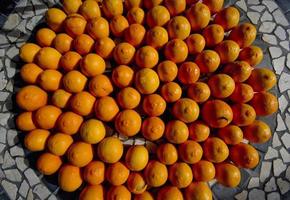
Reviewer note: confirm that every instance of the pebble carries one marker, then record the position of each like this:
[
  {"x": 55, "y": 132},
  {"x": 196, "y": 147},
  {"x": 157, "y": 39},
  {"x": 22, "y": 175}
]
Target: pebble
[
  {"x": 283, "y": 103},
  {"x": 12, "y": 52},
  {"x": 12, "y": 137},
  {"x": 16, "y": 151},
  {"x": 28, "y": 11},
  {"x": 280, "y": 17},
  {"x": 31, "y": 177},
  {"x": 267, "y": 27},
  {"x": 287, "y": 120},
  {"x": 3, "y": 132},
  {"x": 24, "y": 187},
  {"x": 242, "y": 4},
  {"x": 10, "y": 86},
  {"x": 266, "y": 16},
  {"x": 276, "y": 140},
  {"x": 288, "y": 61},
  {"x": 255, "y": 2},
  {"x": 11, "y": 22},
  {"x": 52, "y": 197},
  {"x": 273, "y": 196},
  {"x": 285, "y": 155},
  {"x": 13, "y": 175},
  {"x": 3, "y": 80},
  {"x": 254, "y": 17},
  {"x": 280, "y": 123},
  {"x": 254, "y": 182},
  {"x": 10, "y": 189},
  {"x": 242, "y": 195},
  {"x": 2, "y": 147},
  {"x": 275, "y": 52},
  {"x": 20, "y": 6},
  {"x": 287, "y": 173},
  {"x": 4, "y": 95},
  {"x": 41, "y": 191},
  {"x": 259, "y": 8},
  {"x": 280, "y": 33},
  {"x": 278, "y": 64},
  {"x": 32, "y": 22},
  {"x": 286, "y": 45},
  {"x": 4, "y": 117},
  {"x": 286, "y": 140},
  {"x": 8, "y": 161},
  {"x": 3, "y": 41},
  {"x": 271, "y": 153},
  {"x": 271, "y": 5},
  {"x": 2, "y": 52},
  {"x": 278, "y": 166},
  {"x": 30, "y": 195},
  {"x": 283, "y": 185},
  {"x": 269, "y": 38},
  {"x": 270, "y": 186},
  {"x": 13, "y": 35},
  {"x": 284, "y": 82},
  {"x": 265, "y": 170},
  {"x": 256, "y": 194},
  {"x": 10, "y": 67},
  {"x": 21, "y": 163}
]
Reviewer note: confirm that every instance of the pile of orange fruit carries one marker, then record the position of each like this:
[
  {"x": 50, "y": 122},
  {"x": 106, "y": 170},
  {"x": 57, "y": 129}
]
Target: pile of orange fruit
[{"x": 179, "y": 73}]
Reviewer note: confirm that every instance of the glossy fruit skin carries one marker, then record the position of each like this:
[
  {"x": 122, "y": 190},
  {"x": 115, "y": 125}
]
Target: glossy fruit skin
[
  {"x": 157, "y": 16},
  {"x": 244, "y": 114},
  {"x": 74, "y": 81},
  {"x": 46, "y": 116},
  {"x": 82, "y": 103},
  {"x": 228, "y": 174},
  {"x": 203, "y": 171},
  {"x": 167, "y": 153},
  {"x": 244, "y": 34},
  {"x": 104, "y": 47},
  {"x": 228, "y": 51},
  {"x": 136, "y": 183},
  {"x": 49, "y": 80},
  {"x": 198, "y": 190},
  {"x": 262, "y": 79},
  {"x": 215, "y": 150},
  {"x": 221, "y": 85},
  {"x": 186, "y": 110},
  {"x": 175, "y": 7},
  {"x": 141, "y": 81},
  {"x": 176, "y": 131},
  {"x": 94, "y": 172},
  {"x": 54, "y": 18},
  {"x": 90, "y": 9},
  {"x": 208, "y": 61},
  {"x": 257, "y": 132},
  {"x": 252, "y": 55},
  {"x": 176, "y": 50},
  {"x": 133, "y": 38},
  {"x": 112, "y": 8},
  {"x": 198, "y": 16},
  {"x": 48, "y": 163},
  {"x": 152, "y": 128},
  {"x": 264, "y": 103},
  {"x": 44, "y": 37},
  {"x": 169, "y": 193},
  {"x": 110, "y": 150},
  {"x": 28, "y": 52},
  {"x": 30, "y": 72},
  {"x": 228, "y": 18},
  {"x": 60, "y": 98},
  {"x": 24, "y": 121},
  {"x": 157, "y": 37},
  {"x": 190, "y": 152},
  {"x": 69, "y": 61},
  {"x": 195, "y": 43},
  {"x": 69, "y": 178},
  {"x": 59, "y": 143},
  {"x": 98, "y": 28},
  {"x": 144, "y": 196},
  {"x": 188, "y": 73},
  {"x": 198, "y": 131},
  {"x": 80, "y": 154},
  {"x": 92, "y": 65},
  {"x": 117, "y": 173},
  {"x": 118, "y": 192},
  {"x": 74, "y": 25},
  {"x": 47, "y": 58},
  {"x": 240, "y": 71},
  {"x": 106, "y": 108},
  {"x": 242, "y": 93},
  {"x": 180, "y": 174},
  {"x": 71, "y": 6},
  {"x": 63, "y": 43},
  {"x": 124, "y": 53},
  {"x": 231, "y": 134},
  {"x": 214, "y": 5},
  {"x": 155, "y": 173},
  {"x": 35, "y": 140},
  {"x": 92, "y": 191},
  {"x": 199, "y": 92},
  {"x": 154, "y": 105},
  {"x": 128, "y": 98},
  {"x": 136, "y": 15},
  {"x": 100, "y": 86},
  {"x": 171, "y": 92},
  {"x": 122, "y": 76},
  {"x": 92, "y": 131},
  {"x": 118, "y": 25},
  {"x": 69, "y": 123},
  {"x": 146, "y": 57},
  {"x": 137, "y": 158},
  {"x": 213, "y": 34},
  {"x": 167, "y": 71},
  {"x": 83, "y": 44},
  {"x": 174, "y": 29},
  {"x": 128, "y": 122}
]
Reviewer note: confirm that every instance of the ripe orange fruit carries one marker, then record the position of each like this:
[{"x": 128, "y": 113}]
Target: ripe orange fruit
[
  {"x": 46, "y": 116},
  {"x": 190, "y": 152},
  {"x": 262, "y": 79},
  {"x": 80, "y": 154},
  {"x": 110, "y": 149},
  {"x": 203, "y": 171},
  {"x": 176, "y": 50},
  {"x": 242, "y": 93},
  {"x": 167, "y": 153},
  {"x": 98, "y": 28},
  {"x": 59, "y": 143},
  {"x": 213, "y": 34},
  {"x": 198, "y": 16},
  {"x": 146, "y": 81},
  {"x": 90, "y": 9},
  {"x": 106, "y": 108},
  {"x": 112, "y": 8},
  {"x": 257, "y": 132},
  {"x": 152, "y": 128},
  {"x": 221, "y": 85},
  {"x": 48, "y": 58},
  {"x": 124, "y": 53},
  {"x": 118, "y": 192},
  {"x": 243, "y": 34},
  {"x": 48, "y": 163},
  {"x": 74, "y": 25},
  {"x": 82, "y": 103},
  {"x": 92, "y": 131},
  {"x": 244, "y": 114},
  {"x": 135, "y": 15},
  {"x": 71, "y": 6},
  {"x": 169, "y": 193},
  {"x": 186, "y": 110},
  {"x": 100, "y": 86},
  {"x": 94, "y": 172},
  {"x": 70, "y": 61},
  {"x": 104, "y": 47},
  {"x": 45, "y": 37},
  {"x": 152, "y": 3},
  {"x": 74, "y": 81},
  {"x": 175, "y": 7},
  {"x": 31, "y": 98},
  {"x": 244, "y": 155},
  {"x": 83, "y": 44},
  {"x": 228, "y": 51},
  {"x": 240, "y": 71},
  {"x": 54, "y": 18},
  {"x": 155, "y": 173},
  {"x": 176, "y": 132},
  {"x": 122, "y": 76},
  {"x": 198, "y": 190},
  {"x": 60, "y": 98},
  {"x": 154, "y": 105},
  {"x": 228, "y": 174},
  {"x": 180, "y": 174},
  {"x": 228, "y": 18},
  {"x": 133, "y": 3},
  {"x": 264, "y": 103},
  {"x": 207, "y": 61},
  {"x": 92, "y": 192},
  {"x": 199, "y": 92},
  {"x": 30, "y": 72},
  {"x": 252, "y": 55},
  {"x": 136, "y": 183},
  {"x": 128, "y": 122},
  {"x": 117, "y": 173},
  {"x": 171, "y": 92},
  {"x": 157, "y": 37},
  {"x": 195, "y": 43},
  {"x": 24, "y": 121},
  {"x": 215, "y": 150},
  {"x": 175, "y": 30},
  {"x": 214, "y": 5},
  {"x": 188, "y": 73},
  {"x": 92, "y": 65},
  {"x": 133, "y": 38},
  {"x": 198, "y": 131},
  {"x": 146, "y": 57},
  {"x": 167, "y": 71},
  {"x": 231, "y": 134},
  {"x": 69, "y": 178},
  {"x": 137, "y": 158},
  {"x": 35, "y": 140},
  {"x": 69, "y": 123},
  {"x": 157, "y": 16},
  {"x": 128, "y": 98},
  {"x": 62, "y": 43},
  {"x": 118, "y": 25},
  {"x": 49, "y": 79}
]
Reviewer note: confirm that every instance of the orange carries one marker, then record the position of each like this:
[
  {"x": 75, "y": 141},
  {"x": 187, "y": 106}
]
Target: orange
[
  {"x": 175, "y": 7},
  {"x": 228, "y": 51},
  {"x": 118, "y": 25},
  {"x": 137, "y": 158},
  {"x": 171, "y": 92},
  {"x": 100, "y": 86},
  {"x": 92, "y": 131},
  {"x": 30, "y": 72},
  {"x": 215, "y": 150},
  {"x": 49, "y": 79},
  {"x": 178, "y": 27},
  {"x": 203, "y": 171},
  {"x": 70, "y": 60},
  {"x": 128, "y": 122},
  {"x": 214, "y": 5},
  {"x": 62, "y": 43},
  {"x": 128, "y": 98},
  {"x": 82, "y": 103},
  {"x": 146, "y": 81},
  {"x": 92, "y": 192},
  {"x": 167, "y": 153},
  {"x": 208, "y": 61},
  {"x": 48, "y": 58},
  {"x": 117, "y": 173},
  {"x": 71, "y": 6},
  {"x": 153, "y": 128},
  {"x": 45, "y": 37},
  {"x": 60, "y": 98},
  {"x": 75, "y": 25},
  {"x": 69, "y": 123},
  {"x": 199, "y": 92},
  {"x": 228, "y": 18},
  {"x": 122, "y": 76},
  {"x": 252, "y": 55},
  {"x": 136, "y": 183},
  {"x": 133, "y": 38},
  {"x": 180, "y": 174},
  {"x": 106, "y": 108},
  {"x": 169, "y": 193},
  {"x": 48, "y": 163},
  {"x": 157, "y": 37},
  {"x": 94, "y": 173},
  {"x": 24, "y": 121},
  {"x": 46, "y": 116},
  {"x": 244, "y": 155},
  {"x": 240, "y": 71},
  {"x": 152, "y": 3},
  {"x": 59, "y": 143},
  {"x": 213, "y": 34},
  {"x": 264, "y": 103},
  {"x": 31, "y": 97},
  {"x": 167, "y": 71},
  {"x": 90, "y": 9},
  {"x": 221, "y": 85},
  {"x": 154, "y": 105},
  {"x": 92, "y": 65},
  {"x": 135, "y": 15},
  {"x": 35, "y": 140},
  {"x": 228, "y": 174},
  {"x": 83, "y": 44},
  {"x": 98, "y": 28},
  {"x": 124, "y": 53},
  {"x": 112, "y": 8},
  {"x": 244, "y": 114},
  {"x": 133, "y": 3},
  {"x": 110, "y": 150},
  {"x": 54, "y": 18},
  {"x": 157, "y": 16},
  {"x": 198, "y": 131},
  {"x": 198, "y": 190},
  {"x": 74, "y": 81},
  {"x": 257, "y": 132},
  {"x": 195, "y": 43},
  {"x": 262, "y": 79},
  {"x": 176, "y": 50},
  {"x": 190, "y": 152},
  {"x": 186, "y": 110},
  {"x": 242, "y": 93},
  {"x": 244, "y": 34},
  {"x": 198, "y": 15},
  {"x": 176, "y": 132},
  {"x": 69, "y": 178},
  {"x": 118, "y": 192},
  {"x": 146, "y": 56},
  {"x": 80, "y": 154},
  {"x": 104, "y": 47},
  {"x": 188, "y": 73},
  {"x": 155, "y": 173},
  {"x": 231, "y": 134},
  {"x": 190, "y": 2}
]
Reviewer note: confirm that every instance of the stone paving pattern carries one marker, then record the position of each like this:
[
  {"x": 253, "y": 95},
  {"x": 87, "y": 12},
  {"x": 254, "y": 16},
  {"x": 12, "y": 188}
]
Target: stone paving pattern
[{"x": 269, "y": 180}]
